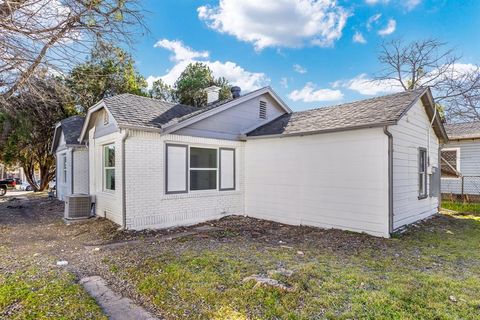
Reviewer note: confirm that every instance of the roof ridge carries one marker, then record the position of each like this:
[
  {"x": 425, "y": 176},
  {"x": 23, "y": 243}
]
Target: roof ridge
[{"x": 361, "y": 100}]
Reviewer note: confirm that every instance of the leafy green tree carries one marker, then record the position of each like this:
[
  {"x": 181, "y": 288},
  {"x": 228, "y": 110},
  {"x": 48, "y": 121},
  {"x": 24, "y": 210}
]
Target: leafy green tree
[
  {"x": 162, "y": 91},
  {"x": 27, "y": 129},
  {"x": 190, "y": 86},
  {"x": 109, "y": 71}
]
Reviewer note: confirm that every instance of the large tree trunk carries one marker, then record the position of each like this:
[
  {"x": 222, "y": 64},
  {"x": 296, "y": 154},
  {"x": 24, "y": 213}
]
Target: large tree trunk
[{"x": 28, "y": 166}]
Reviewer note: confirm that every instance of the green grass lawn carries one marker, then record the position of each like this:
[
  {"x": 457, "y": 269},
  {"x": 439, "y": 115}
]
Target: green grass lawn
[
  {"x": 35, "y": 294},
  {"x": 430, "y": 272},
  {"x": 461, "y": 206}
]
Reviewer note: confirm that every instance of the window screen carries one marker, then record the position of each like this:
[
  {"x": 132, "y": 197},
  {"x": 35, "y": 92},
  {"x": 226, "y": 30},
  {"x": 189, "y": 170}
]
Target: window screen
[{"x": 203, "y": 169}]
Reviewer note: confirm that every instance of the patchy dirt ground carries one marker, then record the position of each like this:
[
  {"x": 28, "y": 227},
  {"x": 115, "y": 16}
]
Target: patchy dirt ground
[{"x": 432, "y": 271}]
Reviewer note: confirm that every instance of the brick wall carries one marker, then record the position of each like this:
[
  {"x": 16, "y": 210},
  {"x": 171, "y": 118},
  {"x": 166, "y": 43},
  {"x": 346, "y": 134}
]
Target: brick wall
[{"x": 147, "y": 204}]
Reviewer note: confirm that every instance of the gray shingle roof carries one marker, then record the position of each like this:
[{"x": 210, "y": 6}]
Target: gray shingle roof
[
  {"x": 374, "y": 111},
  {"x": 131, "y": 110},
  {"x": 143, "y": 112},
  {"x": 71, "y": 128},
  {"x": 465, "y": 130}
]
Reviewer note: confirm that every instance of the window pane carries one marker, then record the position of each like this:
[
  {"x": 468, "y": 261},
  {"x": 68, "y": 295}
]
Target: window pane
[
  {"x": 203, "y": 158},
  {"x": 203, "y": 179},
  {"x": 110, "y": 179},
  {"x": 109, "y": 155}
]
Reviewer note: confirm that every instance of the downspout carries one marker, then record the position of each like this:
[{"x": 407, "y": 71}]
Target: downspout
[
  {"x": 124, "y": 196},
  {"x": 390, "y": 179}
]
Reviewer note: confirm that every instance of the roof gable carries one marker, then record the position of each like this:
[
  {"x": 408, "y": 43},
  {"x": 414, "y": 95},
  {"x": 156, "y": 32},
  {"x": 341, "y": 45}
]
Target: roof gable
[
  {"x": 142, "y": 113},
  {"x": 69, "y": 129}
]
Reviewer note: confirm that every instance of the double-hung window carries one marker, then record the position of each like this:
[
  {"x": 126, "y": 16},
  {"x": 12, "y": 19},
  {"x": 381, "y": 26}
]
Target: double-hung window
[
  {"x": 422, "y": 173},
  {"x": 64, "y": 168},
  {"x": 199, "y": 168},
  {"x": 203, "y": 169},
  {"x": 109, "y": 167}
]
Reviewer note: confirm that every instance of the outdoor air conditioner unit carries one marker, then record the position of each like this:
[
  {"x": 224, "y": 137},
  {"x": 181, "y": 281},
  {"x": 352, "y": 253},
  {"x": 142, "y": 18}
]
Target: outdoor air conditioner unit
[{"x": 77, "y": 206}]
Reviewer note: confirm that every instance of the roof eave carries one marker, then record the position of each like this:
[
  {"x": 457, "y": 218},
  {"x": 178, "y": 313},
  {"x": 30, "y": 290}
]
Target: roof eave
[
  {"x": 313, "y": 132},
  {"x": 139, "y": 128},
  {"x": 99, "y": 105}
]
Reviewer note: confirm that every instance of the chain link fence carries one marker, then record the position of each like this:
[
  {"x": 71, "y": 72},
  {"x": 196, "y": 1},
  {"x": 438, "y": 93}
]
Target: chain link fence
[{"x": 464, "y": 188}]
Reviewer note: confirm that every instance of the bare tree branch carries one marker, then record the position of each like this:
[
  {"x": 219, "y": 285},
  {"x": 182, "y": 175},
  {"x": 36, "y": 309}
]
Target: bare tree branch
[
  {"x": 455, "y": 85},
  {"x": 55, "y": 34}
]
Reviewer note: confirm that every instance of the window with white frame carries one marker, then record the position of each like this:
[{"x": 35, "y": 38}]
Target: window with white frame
[
  {"x": 64, "y": 168},
  {"x": 203, "y": 169},
  {"x": 450, "y": 163},
  {"x": 422, "y": 173},
  {"x": 109, "y": 167}
]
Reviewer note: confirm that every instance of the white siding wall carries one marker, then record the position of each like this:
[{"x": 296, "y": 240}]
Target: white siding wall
[
  {"x": 410, "y": 134},
  {"x": 147, "y": 204},
  {"x": 108, "y": 203},
  {"x": 230, "y": 123},
  {"x": 469, "y": 166},
  {"x": 335, "y": 180},
  {"x": 80, "y": 170}
]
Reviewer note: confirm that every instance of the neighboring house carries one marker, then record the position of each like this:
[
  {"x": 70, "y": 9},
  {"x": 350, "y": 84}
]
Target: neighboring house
[
  {"x": 461, "y": 159},
  {"x": 361, "y": 166},
  {"x": 71, "y": 158}
]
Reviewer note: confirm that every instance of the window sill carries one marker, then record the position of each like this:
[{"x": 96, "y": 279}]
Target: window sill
[
  {"x": 422, "y": 197},
  {"x": 201, "y": 194}
]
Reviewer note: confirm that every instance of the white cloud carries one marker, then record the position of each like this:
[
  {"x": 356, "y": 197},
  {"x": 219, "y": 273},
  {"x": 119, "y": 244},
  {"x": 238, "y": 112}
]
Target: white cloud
[
  {"x": 273, "y": 23},
  {"x": 366, "y": 86},
  {"x": 284, "y": 82},
  {"x": 389, "y": 29},
  {"x": 373, "y": 20},
  {"x": 309, "y": 93},
  {"x": 180, "y": 51},
  {"x": 299, "y": 69},
  {"x": 373, "y": 2},
  {"x": 183, "y": 56},
  {"x": 411, "y": 4},
  {"x": 359, "y": 38}
]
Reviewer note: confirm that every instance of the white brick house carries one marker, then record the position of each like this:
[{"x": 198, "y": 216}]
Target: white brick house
[{"x": 367, "y": 166}]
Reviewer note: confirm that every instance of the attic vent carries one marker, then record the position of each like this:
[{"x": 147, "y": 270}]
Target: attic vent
[{"x": 263, "y": 110}]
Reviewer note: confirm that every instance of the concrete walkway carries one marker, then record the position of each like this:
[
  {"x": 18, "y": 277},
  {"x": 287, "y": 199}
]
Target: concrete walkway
[{"x": 115, "y": 306}]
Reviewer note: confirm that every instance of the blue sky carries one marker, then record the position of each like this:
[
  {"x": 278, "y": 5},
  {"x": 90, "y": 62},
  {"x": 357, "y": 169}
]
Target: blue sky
[{"x": 305, "y": 50}]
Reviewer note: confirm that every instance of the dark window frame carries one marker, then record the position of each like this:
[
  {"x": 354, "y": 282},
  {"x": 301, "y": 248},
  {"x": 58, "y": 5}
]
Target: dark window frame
[
  {"x": 187, "y": 158},
  {"x": 220, "y": 169}
]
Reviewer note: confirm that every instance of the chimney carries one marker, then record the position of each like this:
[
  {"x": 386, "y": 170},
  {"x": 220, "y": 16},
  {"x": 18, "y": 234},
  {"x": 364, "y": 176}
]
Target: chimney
[
  {"x": 213, "y": 94},
  {"x": 235, "y": 92}
]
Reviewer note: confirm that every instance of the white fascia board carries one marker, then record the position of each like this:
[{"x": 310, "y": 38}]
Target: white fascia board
[{"x": 90, "y": 111}]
